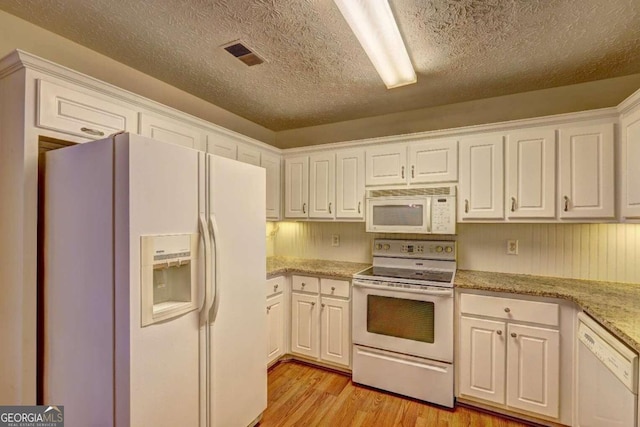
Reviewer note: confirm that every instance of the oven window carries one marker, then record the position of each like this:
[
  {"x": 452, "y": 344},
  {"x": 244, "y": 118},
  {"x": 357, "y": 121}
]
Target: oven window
[
  {"x": 400, "y": 318},
  {"x": 409, "y": 215}
]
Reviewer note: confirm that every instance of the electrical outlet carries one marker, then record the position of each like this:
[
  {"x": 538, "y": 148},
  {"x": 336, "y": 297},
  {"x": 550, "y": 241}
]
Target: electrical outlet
[
  {"x": 335, "y": 240},
  {"x": 512, "y": 247}
]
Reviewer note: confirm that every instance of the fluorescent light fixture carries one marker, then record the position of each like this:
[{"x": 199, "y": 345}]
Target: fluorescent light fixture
[{"x": 373, "y": 24}]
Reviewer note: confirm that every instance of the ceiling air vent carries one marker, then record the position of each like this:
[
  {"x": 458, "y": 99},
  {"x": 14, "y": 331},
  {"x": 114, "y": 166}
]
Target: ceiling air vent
[{"x": 243, "y": 53}]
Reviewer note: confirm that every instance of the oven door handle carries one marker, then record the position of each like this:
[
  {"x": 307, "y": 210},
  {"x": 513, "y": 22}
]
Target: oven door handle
[{"x": 432, "y": 292}]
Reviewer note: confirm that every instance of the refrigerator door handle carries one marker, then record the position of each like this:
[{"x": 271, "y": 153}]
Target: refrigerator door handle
[
  {"x": 213, "y": 230},
  {"x": 204, "y": 311}
]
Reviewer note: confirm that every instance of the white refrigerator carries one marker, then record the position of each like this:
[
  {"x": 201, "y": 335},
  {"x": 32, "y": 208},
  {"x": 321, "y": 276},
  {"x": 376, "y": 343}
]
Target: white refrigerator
[{"x": 154, "y": 297}]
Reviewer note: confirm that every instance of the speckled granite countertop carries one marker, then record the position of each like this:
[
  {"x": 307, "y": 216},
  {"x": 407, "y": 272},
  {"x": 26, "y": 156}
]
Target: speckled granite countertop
[
  {"x": 279, "y": 265},
  {"x": 615, "y": 305}
]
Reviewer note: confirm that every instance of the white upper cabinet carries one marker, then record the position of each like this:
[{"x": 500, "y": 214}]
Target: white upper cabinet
[
  {"x": 81, "y": 113},
  {"x": 171, "y": 131},
  {"x": 630, "y": 135},
  {"x": 433, "y": 161},
  {"x": 249, "y": 155},
  {"x": 350, "y": 188},
  {"x": 481, "y": 187},
  {"x": 220, "y": 146},
  {"x": 322, "y": 185},
  {"x": 271, "y": 163},
  {"x": 531, "y": 173},
  {"x": 386, "y": 164},
  {"x": 586, "y": 172},
  {"x": 296, "y": 192}
]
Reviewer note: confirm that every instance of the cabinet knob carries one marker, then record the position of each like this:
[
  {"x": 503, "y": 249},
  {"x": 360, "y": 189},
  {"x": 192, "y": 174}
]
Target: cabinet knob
[
  {"x": 322, "y": 305},
  {"x": 313, "y": 304},
  {"x": 566, "y": 203},
  {"x": 513, "y": 334},
  {"x": 333, "y": 289},
  {"x": 268, "y": 309},
  {"x": 499, "y": 332},
  {"x": 275, "y": 288},
  {"x": 303, "y": 284},
  {"x": 507, "y": 310}
]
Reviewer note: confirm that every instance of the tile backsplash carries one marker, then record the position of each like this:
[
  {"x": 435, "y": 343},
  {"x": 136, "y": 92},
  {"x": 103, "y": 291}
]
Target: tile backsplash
[{"x": 604, "y": 252}]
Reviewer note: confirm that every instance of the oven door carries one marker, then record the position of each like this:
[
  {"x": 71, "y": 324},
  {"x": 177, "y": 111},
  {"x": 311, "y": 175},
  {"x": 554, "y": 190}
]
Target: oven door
[
  {"x": 399, "y": 215},
  {"x": 417, "y": 323}
]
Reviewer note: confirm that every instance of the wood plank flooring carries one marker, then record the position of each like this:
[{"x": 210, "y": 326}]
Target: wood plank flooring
[{"x": 302, "y": 395}]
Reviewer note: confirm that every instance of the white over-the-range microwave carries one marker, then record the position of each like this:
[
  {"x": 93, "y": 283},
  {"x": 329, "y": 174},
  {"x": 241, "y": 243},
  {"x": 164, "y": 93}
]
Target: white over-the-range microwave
[{"x": 424, "y": 209}]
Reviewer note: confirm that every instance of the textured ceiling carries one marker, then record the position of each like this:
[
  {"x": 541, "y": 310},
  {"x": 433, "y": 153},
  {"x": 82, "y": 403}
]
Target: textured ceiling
[{"x": 316, "y": 72}]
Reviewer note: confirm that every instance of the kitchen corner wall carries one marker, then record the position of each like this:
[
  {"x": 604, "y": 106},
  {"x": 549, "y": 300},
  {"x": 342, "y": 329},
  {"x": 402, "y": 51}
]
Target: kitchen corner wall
[{"x": 603, "y": 252}]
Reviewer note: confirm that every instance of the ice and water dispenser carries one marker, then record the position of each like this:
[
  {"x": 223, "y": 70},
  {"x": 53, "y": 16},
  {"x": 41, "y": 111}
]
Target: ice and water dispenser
[{"x": 168, "y": 276}]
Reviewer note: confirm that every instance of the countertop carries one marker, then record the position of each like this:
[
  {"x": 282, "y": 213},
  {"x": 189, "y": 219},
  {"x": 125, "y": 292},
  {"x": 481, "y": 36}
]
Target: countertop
[
  {"x": 279, "y": 265},
  {"x": 615, "y": 305}
]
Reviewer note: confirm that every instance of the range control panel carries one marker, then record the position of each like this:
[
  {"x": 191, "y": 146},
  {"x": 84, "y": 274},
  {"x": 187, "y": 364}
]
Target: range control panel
[{"x": 431, "y": 249}]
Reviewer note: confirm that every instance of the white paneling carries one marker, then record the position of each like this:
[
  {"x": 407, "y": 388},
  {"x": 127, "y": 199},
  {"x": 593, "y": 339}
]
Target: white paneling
[{"x": 604, "y": 252}]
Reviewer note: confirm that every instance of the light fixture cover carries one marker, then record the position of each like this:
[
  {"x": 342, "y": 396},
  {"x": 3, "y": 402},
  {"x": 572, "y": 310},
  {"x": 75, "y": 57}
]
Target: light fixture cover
[{"x": 373, "y": 24}]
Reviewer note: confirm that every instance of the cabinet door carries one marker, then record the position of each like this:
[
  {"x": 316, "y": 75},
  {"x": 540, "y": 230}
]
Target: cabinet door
[
  {"x": 350, "y": 184},
  {"x": 81, "y": 113},
  {"x": 322, "y": 185},
  {"x": 482, "y": 358},
  {"x": 630, "y": 133},
  {"x": 586, "y": 172},
  {"x": 296, "y": 190},
  {"x": 433, "y": 161},
  {"x": 386, "y": 165},
  {"x": 304, "y": 324},
  {"x": 275, "y": 327},
  {"x": 271, "y": 163},
  {"x": 531, "y": 174},
  {"x": 335, "y": 341},
  {"x": 171, "y": 131},
  {"x": 533, "y": 369},
  {"x": 220, "y": 146},
  {"x": 249, "y": 155},
  {"x": 481, "y": 178}
]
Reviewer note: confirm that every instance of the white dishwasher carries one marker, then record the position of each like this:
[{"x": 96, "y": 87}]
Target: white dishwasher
[{"x": 607, "y": 378}]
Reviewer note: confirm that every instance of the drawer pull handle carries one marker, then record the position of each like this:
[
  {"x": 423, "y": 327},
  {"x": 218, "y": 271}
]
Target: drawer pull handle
[
  {"x": 499, "y": 332},
  {"x": 402, "y": 172},
  {"x": 268, "y": 309},
  {"x": 513, "y": 334},
  {"x": 330, "y": 207},
  {"x": 566, "y": 203},
  {"x": 466, "y": 206},
  {"x": 359, "y": 203},
  {"x": 304, "y": 208},
  {"x": 90, "y": 131},
  {"x": 413, "y": 171},
  {"x": 513, "y": 204},
  {"x": 507, "y": 310},
  {"x": 275, "y": 288}
]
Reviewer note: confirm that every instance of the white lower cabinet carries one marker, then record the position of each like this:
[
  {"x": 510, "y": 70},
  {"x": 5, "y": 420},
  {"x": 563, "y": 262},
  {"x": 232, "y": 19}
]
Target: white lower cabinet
[
  {"x": 506, "y": 363},
  {"x": 276, "y": 327},
  {"x": 320, "y": 319}
]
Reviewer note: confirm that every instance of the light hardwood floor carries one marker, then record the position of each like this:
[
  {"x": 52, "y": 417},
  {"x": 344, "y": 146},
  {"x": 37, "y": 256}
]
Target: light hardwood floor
[{"x": 302, "y": 395}]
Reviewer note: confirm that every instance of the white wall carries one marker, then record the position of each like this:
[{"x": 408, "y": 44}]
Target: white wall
[{"x": 604, "y": 252}]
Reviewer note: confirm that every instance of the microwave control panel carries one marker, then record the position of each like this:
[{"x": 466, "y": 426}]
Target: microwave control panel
[{"x": 443, "y": 215}]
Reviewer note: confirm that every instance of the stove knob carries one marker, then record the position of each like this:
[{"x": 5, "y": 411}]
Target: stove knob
[
  {"x": 378, "y": 246},
  {"x": 438, "y": 248},
  {"x": 448, "y": 249},
  {"x": 386, "y": 247}
]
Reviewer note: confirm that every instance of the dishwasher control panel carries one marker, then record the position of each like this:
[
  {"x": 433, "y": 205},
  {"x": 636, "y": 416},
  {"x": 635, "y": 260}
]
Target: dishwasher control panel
[{"x": 621, "y": 361}]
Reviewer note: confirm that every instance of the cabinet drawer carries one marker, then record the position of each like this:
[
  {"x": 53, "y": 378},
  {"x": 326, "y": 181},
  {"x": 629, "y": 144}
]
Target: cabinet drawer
[
  {"x": 305, "y": 283},
  {"x": 275, "y": 286},
  {"x": 338, "y": 288},
  {"x": 543, "y": 313},
  {"x": 81, "y": 113}
]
